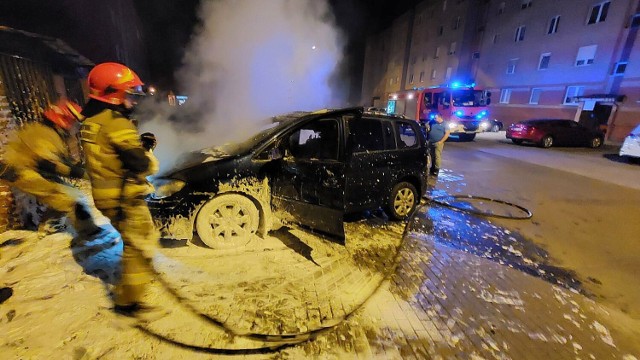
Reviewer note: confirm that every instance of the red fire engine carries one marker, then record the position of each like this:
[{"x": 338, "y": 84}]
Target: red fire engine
[{"x": 463, "y": 106}]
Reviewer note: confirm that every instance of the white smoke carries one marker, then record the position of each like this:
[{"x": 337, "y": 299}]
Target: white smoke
[{"x": 250, "y": 60}]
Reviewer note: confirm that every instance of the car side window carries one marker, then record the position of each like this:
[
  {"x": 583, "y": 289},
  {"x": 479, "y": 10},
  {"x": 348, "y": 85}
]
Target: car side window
[
  {"x": 316, "y": 140},
  {"x": 389, "y": 135},
  {"x": 366, "y": 135},
  {"x": 407, "y": 137}
]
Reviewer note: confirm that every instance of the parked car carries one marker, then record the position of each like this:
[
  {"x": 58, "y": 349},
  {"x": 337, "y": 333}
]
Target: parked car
[
  {"x": 554, "y": 132},
  {"x": 309, "y": 169},
  {"x": 631, "y": 145},
  {"x": 495, "y": 125}
]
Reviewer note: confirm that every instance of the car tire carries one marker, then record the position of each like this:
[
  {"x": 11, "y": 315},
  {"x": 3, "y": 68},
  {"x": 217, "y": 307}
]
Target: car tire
[
  {"x": 546, "y": 142},
  {"x": 403, "y": 199},
  {"x": 495, "y": 128},
  {"x": 466, "y": 137},
  {"x": 227, "y": 221},
  {"x": 516, "y": 141},
  {"x": 596, "y": 142}
]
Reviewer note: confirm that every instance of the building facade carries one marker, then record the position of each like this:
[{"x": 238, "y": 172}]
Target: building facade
[{"x": 540, "y": 58}]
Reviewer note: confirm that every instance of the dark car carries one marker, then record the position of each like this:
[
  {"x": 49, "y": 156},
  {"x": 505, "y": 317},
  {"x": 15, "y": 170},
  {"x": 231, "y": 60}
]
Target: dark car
[
  {"x": 309, "y": 169},
  {"x": 553, "y": 132},
  {"x": 495, "y": 125}
]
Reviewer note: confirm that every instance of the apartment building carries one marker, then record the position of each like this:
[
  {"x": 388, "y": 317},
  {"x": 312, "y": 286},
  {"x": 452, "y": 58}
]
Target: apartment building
[{"x": 540, "y": 58}]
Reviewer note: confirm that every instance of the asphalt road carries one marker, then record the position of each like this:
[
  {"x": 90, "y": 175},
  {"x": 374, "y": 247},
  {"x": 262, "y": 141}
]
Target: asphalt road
[{"x": 585, "y": 204}]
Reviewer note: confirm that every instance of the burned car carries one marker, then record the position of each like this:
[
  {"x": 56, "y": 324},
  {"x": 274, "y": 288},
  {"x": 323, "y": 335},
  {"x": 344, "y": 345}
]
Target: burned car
[{"x": 310, "y": 169}]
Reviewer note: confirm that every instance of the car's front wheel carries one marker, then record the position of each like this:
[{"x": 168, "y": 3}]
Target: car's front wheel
[
  {"x": 495, "y": 128},
  {"x": 402, "y": 201},
  {"x": 227, "y": 221},
  {"x": 547, "y": 141},
  {"x": 596, "y": 142}
]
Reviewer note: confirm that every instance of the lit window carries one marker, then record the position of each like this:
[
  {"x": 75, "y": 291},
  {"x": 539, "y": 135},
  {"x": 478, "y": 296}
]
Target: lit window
[
  {"x": 520, "y": 33},
  {"x": 433, "y": 74},
  {"x": 599, "y": 12},
  {"x": 397, "y": 79},
  {"x": 501, "y": 8},
  {"x": 526, "y": 4},
  {"x": 505, "y": 95},
  {"x": 544, "y": 61},
  {"x": 586, "y": 54},
  {"x": 391, "y": 81},
  {"x": 421, "y": 76},
  {"x": 511, "y": 66},
  {"x": 535, "y": 96},
  {"x": 553, "y": 25},
  {"x": 620, "y": 68},
  {"x": 452, "y": 48},
  {"x": 437, "y": 53},
  {"x": 572, "y": 92},
  {"x": 447, "y": 75}
]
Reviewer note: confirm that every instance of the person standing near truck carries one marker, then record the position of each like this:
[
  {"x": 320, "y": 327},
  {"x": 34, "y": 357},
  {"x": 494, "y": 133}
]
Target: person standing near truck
[{"x": 437, "y": 135}]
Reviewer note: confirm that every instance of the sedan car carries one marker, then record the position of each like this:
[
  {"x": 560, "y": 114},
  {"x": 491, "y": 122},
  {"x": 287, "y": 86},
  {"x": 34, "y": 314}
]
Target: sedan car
[
  {"x": 308, "y": 169},
  {"x": 631, "y": 145},
  {"x": 552, "y": 132}
]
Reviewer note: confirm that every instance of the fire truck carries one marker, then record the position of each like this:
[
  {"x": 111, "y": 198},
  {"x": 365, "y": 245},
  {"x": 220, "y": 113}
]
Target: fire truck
[{"x": 463, "y": 107}]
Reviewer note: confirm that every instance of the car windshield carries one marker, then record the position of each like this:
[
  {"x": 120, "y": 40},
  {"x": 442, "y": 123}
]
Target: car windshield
[{"x": 468, "y": 98}]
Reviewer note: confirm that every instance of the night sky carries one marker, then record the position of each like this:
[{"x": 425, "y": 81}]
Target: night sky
[{"x": 168, "y": 24}]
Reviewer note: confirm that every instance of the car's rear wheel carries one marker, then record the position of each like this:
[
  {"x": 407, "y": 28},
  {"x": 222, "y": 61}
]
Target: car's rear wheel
[
  {"x": 517, "y": 141},
  {"x": 547, "y": 141},
  {"x": 402, "y": 201},
  {"x": 596, "y": 142},
  {"x": 227, "y": 221}
]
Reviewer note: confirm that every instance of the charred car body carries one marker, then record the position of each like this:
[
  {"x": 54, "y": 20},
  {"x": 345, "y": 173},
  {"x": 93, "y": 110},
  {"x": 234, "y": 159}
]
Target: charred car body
[{"x": 309, "y": 169}]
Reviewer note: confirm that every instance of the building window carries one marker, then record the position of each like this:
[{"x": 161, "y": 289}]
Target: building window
[
  {"x": 447, "y": 75},
  {"x": 635, "y": 21},
  {"x": 456, "y": 23},
  {"x": 452, "y": 48},
  {"x": 411, "y": 79},
  {"x": 505, "y": 95},
  {"x": 501, "y": 8},
  {"x": 572, "y": 92},
  {"x": 421, "y": 76},
  {"x": 475, "y": 55},
  {"x": 391, "y": 81},
  {"x": 437, "y": 53},
  {"x": 511, "y": 66},
  {"x": 535, "y": 96},
  {"x": 586, "y": 54},
  {"x": 440, "y": 30},
  {"x": 620, "y": 68},
  {"x": 553, "y": 25},
  {"x": 599, "y": 12},
  {"x": 544, "y": 61},
  {"x": 419, "y": 19},
  {"x": 397, "y": 79},
  {"x": 526, "y": 4},
  {"x": 520, "y": 33},
  {"x": 495, "y": 38},
  {"x": 433, "y": 74}
]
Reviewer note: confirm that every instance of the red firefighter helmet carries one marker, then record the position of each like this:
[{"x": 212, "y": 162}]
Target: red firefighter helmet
[
  {"x": 64, "y": 113},
  {"x": 110, "y": 82}
]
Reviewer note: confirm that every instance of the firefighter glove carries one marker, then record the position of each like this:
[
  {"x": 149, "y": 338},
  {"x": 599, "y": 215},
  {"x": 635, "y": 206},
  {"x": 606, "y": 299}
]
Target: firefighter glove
[
  {"x": 77, "y": 171},
  {"x": 149, "y": 141}
]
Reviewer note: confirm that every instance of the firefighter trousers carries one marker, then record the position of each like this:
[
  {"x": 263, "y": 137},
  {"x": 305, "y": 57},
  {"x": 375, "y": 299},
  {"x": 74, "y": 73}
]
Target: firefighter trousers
[{"x": 133, "y": 221}]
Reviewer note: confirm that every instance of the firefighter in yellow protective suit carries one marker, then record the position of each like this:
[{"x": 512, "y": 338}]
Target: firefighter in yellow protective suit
[
  {"x": 37, "y": 158},
  {"x": 117, "y": 164}
]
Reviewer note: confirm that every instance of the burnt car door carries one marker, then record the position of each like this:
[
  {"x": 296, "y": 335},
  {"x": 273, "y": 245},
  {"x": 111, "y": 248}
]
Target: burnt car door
[
  {"x": 368, "y": 162},
  {"x": 308, "y": 182}
]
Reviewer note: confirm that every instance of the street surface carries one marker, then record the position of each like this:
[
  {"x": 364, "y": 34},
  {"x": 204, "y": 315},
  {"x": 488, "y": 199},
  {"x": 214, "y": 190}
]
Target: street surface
[{"x": 585, "y": 205}]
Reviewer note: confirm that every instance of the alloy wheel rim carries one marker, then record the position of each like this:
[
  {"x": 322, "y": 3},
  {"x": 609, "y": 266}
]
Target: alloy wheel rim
[
  {"x": 403, "y": 202},
  {"x": 230, "y": 223}
]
